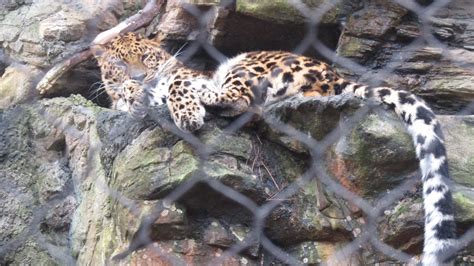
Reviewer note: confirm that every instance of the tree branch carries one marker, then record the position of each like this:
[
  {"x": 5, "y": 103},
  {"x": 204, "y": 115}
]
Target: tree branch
[
  {"x": 48, "y": 80},
  {"x": 142, "y": 18}
]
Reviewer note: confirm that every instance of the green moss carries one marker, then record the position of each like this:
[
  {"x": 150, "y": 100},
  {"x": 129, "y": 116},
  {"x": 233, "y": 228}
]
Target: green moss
[
  {"x": 356, "y": 47},
  {"x": 377, "y": 127},
  {"x": 311, "y": 188},
  {"x": 57, "y": 106},
  {"x": 79, "y": 100},
  {"x": 350, "y": 47},
  {"x": 236, "y": 145},
  {"x": 107, "y": 242},
  {"x": 418, "y": 200},
  {"x": 381, "y": 153},
  {"x": 281, "y": 11},
  {"x": 144, "y": 170},
  {"x": 459, "y": 133},
  {"x": 463, "y": 173},
  {"x": 31, "y": 254},
  {"x": 401, "y": 209},
  {"x": 31, "y": 33},
  {"x": 183, "y": 163},
  {"x": 464, "y": 206}
]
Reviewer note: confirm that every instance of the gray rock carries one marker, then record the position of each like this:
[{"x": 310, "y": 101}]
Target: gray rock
[
  {"x": 286, "y": 12},
  {"x": 377, "y": 153},
  {"x": 444, "y": 88},
  {"x": 187, "y": 251},
  {"x": 406, "y": 219},
  {"x": 318, "y": 252},
  {"x": 402, "y": 226},
  {"x": 460, "y": 154},
  {"x": 17, "y": 85},
  {"x": 369, "y": 24},
  {"x": 42, "y": 33},
  {"x": 37, "y": 202},
  {"x": 113, "y": 163},
  {"x": 62, "y": 26},
  {"x": 442, "y": 76},
  {"x": 373, "y": 155},
  {"x": 357, "y": 48},
  {"x": 461, "y": 162},
  {"x": 217, "y": 235}
]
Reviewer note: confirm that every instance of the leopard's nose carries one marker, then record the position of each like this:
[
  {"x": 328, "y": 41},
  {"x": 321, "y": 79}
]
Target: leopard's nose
[{"x": 139, "y": 76}]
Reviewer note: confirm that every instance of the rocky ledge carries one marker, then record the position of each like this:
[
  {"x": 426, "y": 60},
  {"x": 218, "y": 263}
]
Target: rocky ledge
[{"x": 79, "y": 180}]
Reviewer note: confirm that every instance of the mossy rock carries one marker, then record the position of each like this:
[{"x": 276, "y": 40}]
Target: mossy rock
[
  {"x": 355, "y": 47},
  {"x": 147, "y": 168},
  {"x": 153, "y": 165},
  {"x": 315, "y": 253},
  {"x": 453, "y": 87},
  {"x": 313, "y": 116},
  {"x": 464, "y": 205},
  {"x": 238, "y": 145},
  {"x": 378, "y": 152},
  {"x": 402, "y": 226},
  {"x": 459, "y": 136},
  {"x": 282, "y": 11}
]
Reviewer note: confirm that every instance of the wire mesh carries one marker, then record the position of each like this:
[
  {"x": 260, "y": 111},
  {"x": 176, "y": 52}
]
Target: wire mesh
[{"x": 317, "y": 169}]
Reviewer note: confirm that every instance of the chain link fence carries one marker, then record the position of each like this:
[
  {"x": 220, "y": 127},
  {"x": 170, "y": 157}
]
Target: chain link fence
[{"x": 317, "y": 171}]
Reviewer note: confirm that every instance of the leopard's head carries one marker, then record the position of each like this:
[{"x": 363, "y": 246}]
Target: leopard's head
[
  {"x": 128, "y": 57},
  {"x": 114, "y": 71}
]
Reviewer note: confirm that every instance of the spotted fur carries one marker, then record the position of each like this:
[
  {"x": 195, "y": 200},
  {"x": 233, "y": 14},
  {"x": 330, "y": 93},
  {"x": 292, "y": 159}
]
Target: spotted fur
[{"x": 266, "y": 77}]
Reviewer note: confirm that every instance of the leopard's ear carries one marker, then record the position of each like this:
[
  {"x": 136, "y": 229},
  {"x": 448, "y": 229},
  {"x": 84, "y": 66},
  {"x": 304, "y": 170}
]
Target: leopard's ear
[
  {"x": 98, "y": 50},
  {"x": 129, "y": 35},
  {"x": 158, "y": 37}
]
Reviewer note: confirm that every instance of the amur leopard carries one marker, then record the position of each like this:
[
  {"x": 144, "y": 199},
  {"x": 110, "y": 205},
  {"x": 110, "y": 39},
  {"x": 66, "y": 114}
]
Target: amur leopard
[{"x": 138, "y": 74}]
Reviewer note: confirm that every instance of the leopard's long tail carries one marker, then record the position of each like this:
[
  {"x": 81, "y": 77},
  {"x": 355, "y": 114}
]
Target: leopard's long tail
[{"x": 428, "y": 139}]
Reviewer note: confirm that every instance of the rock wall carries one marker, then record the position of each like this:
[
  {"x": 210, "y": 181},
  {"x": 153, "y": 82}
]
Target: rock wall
[
  {"x": 80, "y": 180},
  {"x": 436, "y": 63}
]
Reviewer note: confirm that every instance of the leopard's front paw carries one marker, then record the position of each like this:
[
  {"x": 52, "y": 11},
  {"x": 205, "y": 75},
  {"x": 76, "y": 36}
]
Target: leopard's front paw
[
  {"x": 189, "y": 120},
  {"x": 137, "y": 102},
  {"x": 190, "y": 125}
]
